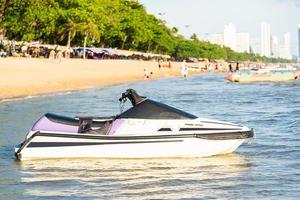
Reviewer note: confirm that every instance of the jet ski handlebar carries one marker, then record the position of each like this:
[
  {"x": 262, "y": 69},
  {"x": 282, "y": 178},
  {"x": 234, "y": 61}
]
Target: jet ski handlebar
[{"x": 132, "y": 96}]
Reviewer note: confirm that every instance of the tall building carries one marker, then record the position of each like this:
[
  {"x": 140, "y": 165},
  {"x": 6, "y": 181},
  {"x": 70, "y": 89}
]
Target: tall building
[
  {"x": 239, "y": 42},
  {"x": 274, "y": 47},
  {"x": 265, "y": 39},
  {"x": 252, "y": 50},
  {"x": 230, "y": 36},
  {"x": 243, "y": 42},
  {"x": 217, "y": 38},
  {"x": 286, "y": 49}
]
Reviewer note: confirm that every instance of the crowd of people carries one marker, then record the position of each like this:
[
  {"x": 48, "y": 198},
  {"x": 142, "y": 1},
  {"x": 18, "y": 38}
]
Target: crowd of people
[
  {"x": 37, "y": 50},
  {"x": 34, "y": 50}
]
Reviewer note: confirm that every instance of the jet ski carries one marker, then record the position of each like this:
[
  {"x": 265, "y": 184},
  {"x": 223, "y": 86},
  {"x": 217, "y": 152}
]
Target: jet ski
[{"x": 148, "y": 129}]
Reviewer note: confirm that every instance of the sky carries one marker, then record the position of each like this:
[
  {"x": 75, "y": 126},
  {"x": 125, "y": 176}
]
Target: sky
[{"x": 209, "y": 16}]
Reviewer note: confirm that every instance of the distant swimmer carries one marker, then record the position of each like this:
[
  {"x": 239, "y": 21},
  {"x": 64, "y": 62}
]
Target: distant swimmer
[
  {"x": 184, "y": 70},
  {"x": 297, "y": 75},
  {"x": 146, "y": 74}
]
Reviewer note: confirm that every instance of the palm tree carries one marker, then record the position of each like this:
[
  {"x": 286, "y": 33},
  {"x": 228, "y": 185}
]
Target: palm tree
[
  {"x": 88, "y": 29},
  {"x": 194, "y": 37},
  {"x": 174, "y": 31},
  {"x": 69, "y": 28}
]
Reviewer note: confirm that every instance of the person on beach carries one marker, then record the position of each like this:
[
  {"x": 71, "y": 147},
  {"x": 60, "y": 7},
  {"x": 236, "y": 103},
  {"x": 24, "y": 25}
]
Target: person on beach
[
  {"x": 1, "y": 44},
  {"x": 184, "y": 70},
  {"x": 24, "y": 50},
  {"x": 146, "y": 75},
  {"x": 237, "y": 68},
  {"x": 59, "y": 55},
  {"x": 221, "y": 67},
  {"x": 36, "y": 52},
  {"x": 159, "y": 63},
  {"x": 230, "y": 67},
  {"x": 210, "y": 66},
  {"x": 68, "y": 52},
  {"x": 216, "y": 67},
  {"x": 52, "y": 54},
  {"x": 170, "y": 64}
]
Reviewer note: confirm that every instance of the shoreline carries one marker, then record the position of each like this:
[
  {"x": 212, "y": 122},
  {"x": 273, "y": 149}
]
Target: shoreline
[
  {"x": 25, "y": 77},
  {"x": 56, "y": 93}
]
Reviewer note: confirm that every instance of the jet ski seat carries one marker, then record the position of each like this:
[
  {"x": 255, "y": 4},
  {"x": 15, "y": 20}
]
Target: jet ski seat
[
  {"x": 94, "y": 125},
  {"x": 84, "y": 123},
  {"x": 103, "y": 130},
  {"x": 61, "y": 119}
]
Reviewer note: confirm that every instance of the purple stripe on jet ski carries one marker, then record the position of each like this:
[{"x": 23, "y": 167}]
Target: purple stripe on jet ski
[
  {"x": 44, "y": 124},
  {"x": 116, "y": 124}
]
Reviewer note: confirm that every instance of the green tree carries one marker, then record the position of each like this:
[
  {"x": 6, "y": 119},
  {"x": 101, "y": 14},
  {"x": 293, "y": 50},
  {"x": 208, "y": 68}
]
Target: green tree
[
  {"x": 123, "y": 24},
  {"x": 30, "y": 20},
  {"x": 194, "y": 37}
]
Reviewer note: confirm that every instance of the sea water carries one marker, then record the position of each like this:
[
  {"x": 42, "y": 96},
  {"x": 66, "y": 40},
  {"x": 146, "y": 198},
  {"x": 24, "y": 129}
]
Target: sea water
[{"x": 266, "y": 168}]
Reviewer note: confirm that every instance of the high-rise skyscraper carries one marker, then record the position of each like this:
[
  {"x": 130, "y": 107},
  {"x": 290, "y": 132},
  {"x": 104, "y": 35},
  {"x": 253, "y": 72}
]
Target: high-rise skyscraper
[
  {"x": 239, "y": 42},
  {"x": 265, "y": 39},
  {"x": 217, "y": 38},
  {"x": 243, "y": 42},
  {"x": 287, "y": 46},
  {"x": 274, "y": 47},
  {"x": 230, "y": 36}
]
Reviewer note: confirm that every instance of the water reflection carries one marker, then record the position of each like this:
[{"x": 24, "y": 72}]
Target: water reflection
[
  {"x": 268, "y": 168},
  {"x": 131, "y": 177}
]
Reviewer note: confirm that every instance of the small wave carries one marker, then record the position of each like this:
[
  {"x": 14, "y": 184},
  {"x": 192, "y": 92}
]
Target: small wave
[{"x": 37, "y": 96}]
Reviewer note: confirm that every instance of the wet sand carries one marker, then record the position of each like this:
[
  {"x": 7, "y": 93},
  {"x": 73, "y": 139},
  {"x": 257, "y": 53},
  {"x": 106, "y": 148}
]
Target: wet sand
[{"x": 20, "y": 77}]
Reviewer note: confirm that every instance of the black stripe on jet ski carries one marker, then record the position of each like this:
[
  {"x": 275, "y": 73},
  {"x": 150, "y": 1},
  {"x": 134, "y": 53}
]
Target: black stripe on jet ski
[
  {"x": 209, "y": 129},
  {"x": 109, "y": 137},
  {"x": 68, "y": 144},
  {"x": 164, "y": 129}
]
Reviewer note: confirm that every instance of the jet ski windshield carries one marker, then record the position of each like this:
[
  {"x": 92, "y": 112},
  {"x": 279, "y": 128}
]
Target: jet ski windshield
[{"x": 144, "y": 108}]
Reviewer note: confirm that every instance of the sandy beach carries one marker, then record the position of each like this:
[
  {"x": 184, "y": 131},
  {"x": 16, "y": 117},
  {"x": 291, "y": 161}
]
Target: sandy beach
[{"x": 21, "y": 77}]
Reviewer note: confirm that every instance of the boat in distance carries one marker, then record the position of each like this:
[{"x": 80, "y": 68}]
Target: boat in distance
[
  {"x": 148, "y": 129},
  {"x": 266, "y": 74}
]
